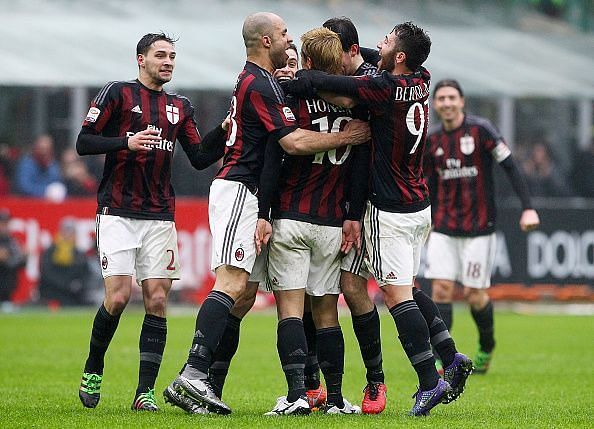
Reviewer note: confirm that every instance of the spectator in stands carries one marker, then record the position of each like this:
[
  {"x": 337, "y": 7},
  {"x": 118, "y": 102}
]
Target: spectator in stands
[
  {"x": 12, "y": 259},
  {"x": 583, "y": 172},
  {"x": 8, "y": 156},
  {"x": 64, "y": 269},
  {"x": 543, "y": 176},
  {"x": 77, "y": 178},
  {"x": 38, "y": 173}
]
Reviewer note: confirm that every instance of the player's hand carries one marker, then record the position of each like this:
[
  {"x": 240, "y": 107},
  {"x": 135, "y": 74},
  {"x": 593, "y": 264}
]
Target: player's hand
[
  {"x": 357, "y": 132},
  {"x": 529, "y": 220},
  {"x": 351, "y": 236},
  {"x": 300, "y": 86},
  {"x": 226, "y": 122},
  {"x": 144, "y": 140},
  {"x": 262, "y": 234}
]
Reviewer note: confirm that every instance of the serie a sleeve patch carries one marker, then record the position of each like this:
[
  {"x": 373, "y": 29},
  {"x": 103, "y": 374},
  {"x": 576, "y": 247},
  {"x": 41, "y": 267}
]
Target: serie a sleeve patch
[{"x": 92, "y": 114}]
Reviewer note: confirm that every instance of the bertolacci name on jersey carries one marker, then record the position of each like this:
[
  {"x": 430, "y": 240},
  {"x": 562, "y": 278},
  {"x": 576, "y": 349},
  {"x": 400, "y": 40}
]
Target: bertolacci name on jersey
[
  {"x": 411, "y": 93},
  {"x": 163, "y": 144}
]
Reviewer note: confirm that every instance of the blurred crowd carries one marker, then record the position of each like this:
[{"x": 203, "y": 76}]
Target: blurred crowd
[
  {"x": 42, "y": 173},
  {"x": 67, "y": 276}
]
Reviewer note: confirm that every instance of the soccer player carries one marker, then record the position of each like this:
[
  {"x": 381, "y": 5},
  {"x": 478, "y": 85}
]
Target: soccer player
[
  {"x": 258, "y": 114},
  {"x": 136, "y": 123},
  {"x": 354, "y": 275},
  {"x": 305, "y": 248},
  {"x": 461, "y": 246},
  {"x": 398, "y": 218},
  {"x": 219, "y": 368}
]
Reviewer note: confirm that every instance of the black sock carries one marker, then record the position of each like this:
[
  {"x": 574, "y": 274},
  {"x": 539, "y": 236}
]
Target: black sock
[
  {"x": 292, "y": 350},
  {"x": 414, "y": 336},
  {"x": 445, "y": 310},
  {"x": 223, "y": 354},
  {"x": 484, "y": 322},
  {"x": 367, "y": 330},
  {"x": 312, "y": 368},
  {"x": 438, "y": 332},
  {"x": 210, "y": 325},
  {"x": 104, "y": 326},
  {"x": 331, "y": 354},
  {"x": 151, "y": 344}
]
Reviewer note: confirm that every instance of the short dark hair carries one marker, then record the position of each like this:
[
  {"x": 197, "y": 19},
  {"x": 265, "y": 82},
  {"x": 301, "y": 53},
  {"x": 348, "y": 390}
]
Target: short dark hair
[
  {"x": 147, "y": 40},
  {"x": 346, "y": 31},
  {"x": 293, "y": 47},
  {"x": 448, "y": 82},
  {"x": 414, "y": 42}
]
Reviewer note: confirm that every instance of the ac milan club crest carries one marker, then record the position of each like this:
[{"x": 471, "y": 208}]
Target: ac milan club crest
[
  {"x": 467, "y": 144},
  {"x": 172, "y": 113},
  {"x": 104, "y": 262},
  {"x": 239, "y": 254}
]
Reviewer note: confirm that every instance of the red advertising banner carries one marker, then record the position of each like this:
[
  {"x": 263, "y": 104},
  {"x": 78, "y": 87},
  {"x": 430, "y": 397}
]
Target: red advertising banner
[{"x": 35, "y": 222}]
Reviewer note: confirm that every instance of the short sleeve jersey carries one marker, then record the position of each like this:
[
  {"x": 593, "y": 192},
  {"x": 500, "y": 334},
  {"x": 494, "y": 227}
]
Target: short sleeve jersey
[
  {"x": 138, "y": 184},
  {"x": 458, "y": 166},
  {"x": 258, "y": 112}
]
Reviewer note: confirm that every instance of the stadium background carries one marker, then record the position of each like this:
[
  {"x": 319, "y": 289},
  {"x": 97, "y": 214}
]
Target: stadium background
[{"x": 525, "y": 65}]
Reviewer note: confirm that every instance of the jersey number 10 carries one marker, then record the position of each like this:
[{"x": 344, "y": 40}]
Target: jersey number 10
[{"x": 324, "y": 128}]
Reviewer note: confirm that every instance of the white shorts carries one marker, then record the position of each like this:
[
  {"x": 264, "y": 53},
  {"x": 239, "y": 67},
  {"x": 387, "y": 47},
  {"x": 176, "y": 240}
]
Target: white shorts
[
  {"x": 303, "y": 255},
  {"x": 146, "y": 248},
  {"x": 357, "y": 264},
  {"x": 467, "y": 260},
  {"x": 394, "y": 242},
  {"x": 232, "y": 216}
]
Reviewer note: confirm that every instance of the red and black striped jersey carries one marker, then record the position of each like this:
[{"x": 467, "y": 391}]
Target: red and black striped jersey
[
  {"x": 137, "y": 184},
  {"x": 316, "y": 188},
  {"x": 458, "y": 166},
  {"x": 258, "y": 112},
  {"x": 398, "y": 108}
]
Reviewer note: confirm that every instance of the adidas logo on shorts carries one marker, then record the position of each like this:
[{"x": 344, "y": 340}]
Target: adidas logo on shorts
[{"x": 391, "y": 276}]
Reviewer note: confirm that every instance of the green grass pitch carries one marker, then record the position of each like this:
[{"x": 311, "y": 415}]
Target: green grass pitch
[{"x": 541, "y": 375}]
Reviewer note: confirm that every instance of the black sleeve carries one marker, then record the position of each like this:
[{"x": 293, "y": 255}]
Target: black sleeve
[
  {"x": 210, "y": 149},
  {"x": 90, "y": 143},
  {"x": 358, "y": 182},
  {"x": 517, "y": 181},
  {"x": 269, "y": 177},
  {"x": 370, "y": 55},
  {"x": 307, "y": 81}
]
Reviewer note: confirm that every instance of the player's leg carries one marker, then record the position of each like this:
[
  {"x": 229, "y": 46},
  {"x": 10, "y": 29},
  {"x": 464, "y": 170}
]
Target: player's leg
[
  {"x": 217, "y": 373},
  {"x": 233, "y": 212},
  {"x": 117, "y": 295},
  {"x": 116, "y": 243},
  {"x": 479, "y": 256},
  {"x": 394, "y": 241},
  {"x": 157, "y": 265},
  {"x": 316, "y": 393},
  {"x": 331, "y": 353},
  {"x": 153, "y": 337},
  {"x": 288, "y": 268},
  {"x": 366, "y": 325}
]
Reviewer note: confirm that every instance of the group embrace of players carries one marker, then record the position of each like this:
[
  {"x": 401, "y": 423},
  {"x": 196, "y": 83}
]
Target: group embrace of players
[{"x": 321, "y": 187}]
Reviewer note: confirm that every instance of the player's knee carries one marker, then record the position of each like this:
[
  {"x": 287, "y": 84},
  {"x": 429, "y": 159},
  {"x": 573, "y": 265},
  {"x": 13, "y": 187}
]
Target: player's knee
[
  {"x": 474, "y": 297},
  {"x": 116, "y": 303},
  {"x": 244, "y": 304},
  {"x": 442, "y": 291}
]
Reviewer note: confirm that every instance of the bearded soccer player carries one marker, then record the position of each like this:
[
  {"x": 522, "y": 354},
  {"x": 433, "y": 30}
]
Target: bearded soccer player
[
  {"x": 461, "y": 247},
  {"x": 136, "y": 124},
  {"x": 398, "y": 218},
  {"x": 258, "y": 113}
]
